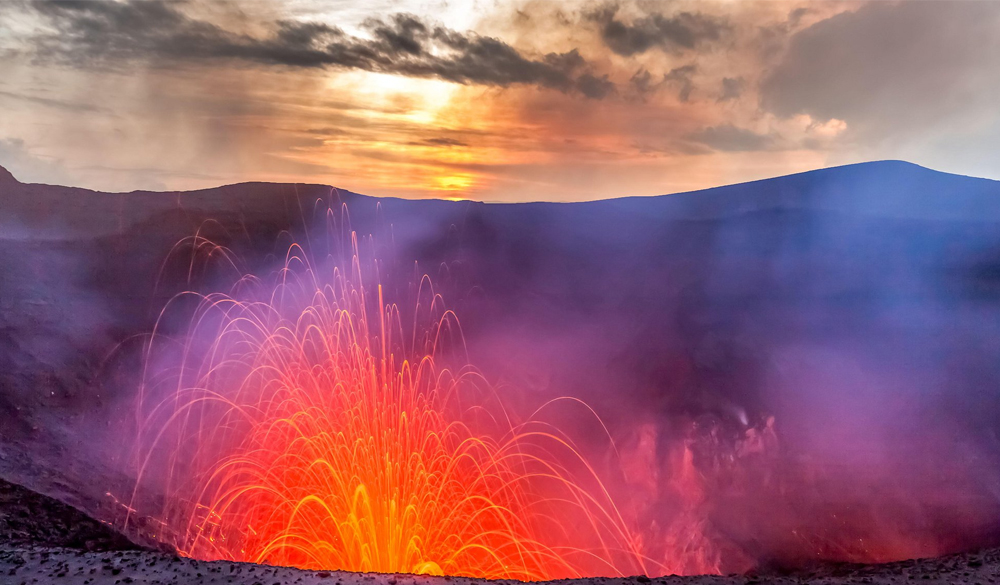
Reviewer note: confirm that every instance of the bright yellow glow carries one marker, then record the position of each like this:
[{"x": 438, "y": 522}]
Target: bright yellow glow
[
  {"x": 456, "y": 182},
  {"x": 418, "y": 101}
]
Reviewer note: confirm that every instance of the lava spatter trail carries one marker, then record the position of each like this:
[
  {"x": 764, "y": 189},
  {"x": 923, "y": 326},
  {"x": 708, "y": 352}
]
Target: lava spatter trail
[{"x": 301, "y": 420}]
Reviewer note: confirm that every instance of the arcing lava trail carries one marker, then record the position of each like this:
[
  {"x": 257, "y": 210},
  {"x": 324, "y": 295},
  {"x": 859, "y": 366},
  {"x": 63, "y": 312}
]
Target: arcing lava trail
[{"x": 305, "y": 422}]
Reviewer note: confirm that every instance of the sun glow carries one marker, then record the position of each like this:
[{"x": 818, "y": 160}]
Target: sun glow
[
  {"x": 394, "y": 97},
  {"x": 453, "y": 182}
]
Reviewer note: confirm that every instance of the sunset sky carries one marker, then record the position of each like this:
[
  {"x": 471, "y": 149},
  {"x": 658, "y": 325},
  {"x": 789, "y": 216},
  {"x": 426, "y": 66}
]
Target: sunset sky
[{"x": 496, "y": 100}]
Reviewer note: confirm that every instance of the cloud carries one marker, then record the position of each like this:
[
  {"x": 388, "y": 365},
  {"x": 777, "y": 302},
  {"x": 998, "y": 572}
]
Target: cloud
[
  {"x": 51, "y": 103},
  {"x": 681, "y": 77},
  {"x": 440, "y": 142},
  {"x": 158, "y": 32},
  {"x": 595, "y": 87},
  {"x": 732, "y": 88},
  {"x": 30, "y": 168},
  {"x": 279, "y": 92},
  {"x": 891, "y": 67},
  {"x": 674, "y": 34},
  {"x": 729, "y": 138}
]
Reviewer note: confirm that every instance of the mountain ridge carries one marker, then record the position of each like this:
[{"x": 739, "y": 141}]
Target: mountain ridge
[
  {"x": 6, "y": 176},
  {"x": 866, "y": 167}
]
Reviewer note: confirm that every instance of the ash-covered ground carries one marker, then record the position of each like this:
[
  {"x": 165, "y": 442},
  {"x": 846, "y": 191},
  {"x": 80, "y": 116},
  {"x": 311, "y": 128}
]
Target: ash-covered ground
[{"x": 43, "y": 540}]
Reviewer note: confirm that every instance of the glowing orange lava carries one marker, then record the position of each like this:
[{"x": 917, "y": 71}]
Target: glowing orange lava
[{"x": 304, "y": 422}]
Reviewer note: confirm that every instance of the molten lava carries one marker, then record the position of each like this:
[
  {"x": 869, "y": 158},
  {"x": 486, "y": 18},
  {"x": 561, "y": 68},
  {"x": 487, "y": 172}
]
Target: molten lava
[{"x": 303, "y": 423}]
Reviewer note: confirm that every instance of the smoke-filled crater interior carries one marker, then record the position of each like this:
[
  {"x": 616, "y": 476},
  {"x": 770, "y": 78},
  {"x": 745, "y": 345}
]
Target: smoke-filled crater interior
[{"x": 532, "y": 392}]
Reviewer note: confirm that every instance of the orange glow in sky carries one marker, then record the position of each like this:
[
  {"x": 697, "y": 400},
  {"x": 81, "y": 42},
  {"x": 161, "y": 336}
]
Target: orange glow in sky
[{"x": 500, "y": 101}]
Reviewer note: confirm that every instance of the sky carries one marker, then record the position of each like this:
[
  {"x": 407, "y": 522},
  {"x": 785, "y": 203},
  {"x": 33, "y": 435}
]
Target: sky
[{"x": 495, "y": 100}]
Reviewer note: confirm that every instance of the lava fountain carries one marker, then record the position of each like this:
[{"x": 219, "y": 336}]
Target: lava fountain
[{"x": 306, "y": 420}]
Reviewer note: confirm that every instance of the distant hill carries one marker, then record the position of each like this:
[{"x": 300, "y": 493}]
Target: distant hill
[{"x": 885, "y": 188}]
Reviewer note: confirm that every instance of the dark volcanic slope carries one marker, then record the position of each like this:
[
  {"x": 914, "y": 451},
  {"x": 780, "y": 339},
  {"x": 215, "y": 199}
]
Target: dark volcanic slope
[{"x": 29, "y": 519}]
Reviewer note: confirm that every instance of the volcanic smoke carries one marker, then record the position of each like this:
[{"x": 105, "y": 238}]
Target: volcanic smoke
[{"x": 324, "y": 414}]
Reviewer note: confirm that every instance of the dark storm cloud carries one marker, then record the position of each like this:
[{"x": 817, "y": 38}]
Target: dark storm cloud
[
  {"x": 595, "y": 87},
  {"x": 642, "y": 81},
  {"x": 730, "y": 138},
  {"x": 890, "y": 66},
  {"x": 680, "y": 77},
  {"x": 103, "y": 32},
  {"x": 732, "y": 88},
  {"x": 675, "y": 33}
]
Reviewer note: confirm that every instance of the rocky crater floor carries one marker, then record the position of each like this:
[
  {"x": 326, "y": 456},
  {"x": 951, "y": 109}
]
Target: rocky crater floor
[{"x": 43, "y": 540}]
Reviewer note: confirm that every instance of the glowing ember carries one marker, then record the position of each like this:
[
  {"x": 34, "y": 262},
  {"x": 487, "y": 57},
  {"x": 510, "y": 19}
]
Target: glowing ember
[{"x": 304, "y": 424}]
